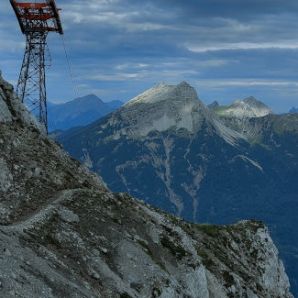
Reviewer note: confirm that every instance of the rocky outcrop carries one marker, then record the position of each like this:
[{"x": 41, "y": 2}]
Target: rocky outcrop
[{"x": 64, "y": 234}]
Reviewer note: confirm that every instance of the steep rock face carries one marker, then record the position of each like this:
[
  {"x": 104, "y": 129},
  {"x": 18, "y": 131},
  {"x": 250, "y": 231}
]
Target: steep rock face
[{"x": 63, "y": 234}]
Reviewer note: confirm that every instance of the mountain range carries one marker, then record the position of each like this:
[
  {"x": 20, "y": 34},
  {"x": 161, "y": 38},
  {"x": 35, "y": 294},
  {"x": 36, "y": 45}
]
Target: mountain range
[
  {"x": 64, "y": 234},
  {"x": 78, "y": 112},
  {"x": 215, "y": 165},
  {"x": 293, "y": 110}
]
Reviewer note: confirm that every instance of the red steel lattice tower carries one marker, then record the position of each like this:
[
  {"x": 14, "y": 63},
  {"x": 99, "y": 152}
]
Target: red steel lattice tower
[{"x": 36, "y": 20}]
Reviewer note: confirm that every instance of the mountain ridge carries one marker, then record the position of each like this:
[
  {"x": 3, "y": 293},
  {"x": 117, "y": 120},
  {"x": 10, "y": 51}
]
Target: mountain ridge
[
  {"x": 78, "y": 112},
  {"x": 293, "y": 110}
]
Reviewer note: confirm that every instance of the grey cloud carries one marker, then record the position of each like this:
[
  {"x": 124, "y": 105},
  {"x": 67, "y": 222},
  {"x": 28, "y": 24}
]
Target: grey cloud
[{"x": 108, "y": 40}]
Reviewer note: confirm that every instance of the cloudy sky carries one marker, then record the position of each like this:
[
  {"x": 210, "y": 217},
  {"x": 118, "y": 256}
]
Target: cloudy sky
[{"x": 227, "y": 49}]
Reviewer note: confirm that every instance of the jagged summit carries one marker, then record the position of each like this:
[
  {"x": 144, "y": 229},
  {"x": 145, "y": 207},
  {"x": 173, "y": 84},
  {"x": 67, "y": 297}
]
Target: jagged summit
[
  {"x": 162, "y": 92},
  {"x": 164, "y": 107},
  {"x": 213, "y": 105},
  {"x": 167, "y": 107},
  {"x": 249, "y": 107},
  {"x": 251, "y": 100},
  {"x": 87, "y": 99}
]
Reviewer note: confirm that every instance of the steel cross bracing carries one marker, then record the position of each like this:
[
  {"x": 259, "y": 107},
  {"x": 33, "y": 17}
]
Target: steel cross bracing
[
  {"x": 36, "y": 20},
  {"x": 31, "y": 87}
]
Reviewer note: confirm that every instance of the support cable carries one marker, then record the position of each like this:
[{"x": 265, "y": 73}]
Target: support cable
[{"x": 70, "y": 69}]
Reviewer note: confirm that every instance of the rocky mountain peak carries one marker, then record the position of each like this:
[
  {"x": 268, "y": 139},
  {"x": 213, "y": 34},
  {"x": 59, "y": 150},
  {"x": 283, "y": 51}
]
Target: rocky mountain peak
[
  {"x": 78, "y": 112},
  {"x": 252, "y": 101},
  {"x": 213, "y": 105},
  {"x": 164, "y": 108},
  {"x": 256, "y": 104},
  {"x": 88, "y": 99},
  {"x": 249, "y": 107},
  {"x": 164, "y": 92}
]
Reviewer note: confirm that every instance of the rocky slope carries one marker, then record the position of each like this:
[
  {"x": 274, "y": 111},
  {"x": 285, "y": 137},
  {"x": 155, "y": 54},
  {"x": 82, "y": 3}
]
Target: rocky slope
[
  {"x": 63, "y": 234},
  {"x": 168, "y": 149}
]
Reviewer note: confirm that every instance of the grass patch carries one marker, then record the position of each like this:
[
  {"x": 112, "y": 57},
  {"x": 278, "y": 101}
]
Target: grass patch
[
  {"x": 229, "y": 279},
  {"x": 176, "y": 249},
  {"x": 125, "y": 295},
  {"x": 211, "y": 230},
  {"x": 206, "y": 260}
]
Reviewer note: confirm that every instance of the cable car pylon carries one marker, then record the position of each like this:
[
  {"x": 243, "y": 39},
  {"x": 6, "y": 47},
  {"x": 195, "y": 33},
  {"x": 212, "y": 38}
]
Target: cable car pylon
[{"x": 36, "y": 20}]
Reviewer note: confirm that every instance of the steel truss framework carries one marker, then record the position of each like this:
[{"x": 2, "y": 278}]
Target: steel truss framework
[{"x": 36, "y": 20}]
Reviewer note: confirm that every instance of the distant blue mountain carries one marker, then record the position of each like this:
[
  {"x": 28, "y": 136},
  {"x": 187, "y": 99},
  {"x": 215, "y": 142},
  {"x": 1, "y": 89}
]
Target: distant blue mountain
[
  {"x": 293, "y": 110},
  {"x": 79, "y": 112}
]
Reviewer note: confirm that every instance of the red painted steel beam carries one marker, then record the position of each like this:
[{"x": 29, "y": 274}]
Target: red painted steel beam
[
  {"x": 45, "y": 11},
  {"x": 31, "y": 5},
  {"x": 57, "y": 16},
  {"x": 33, "y": 17}
]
